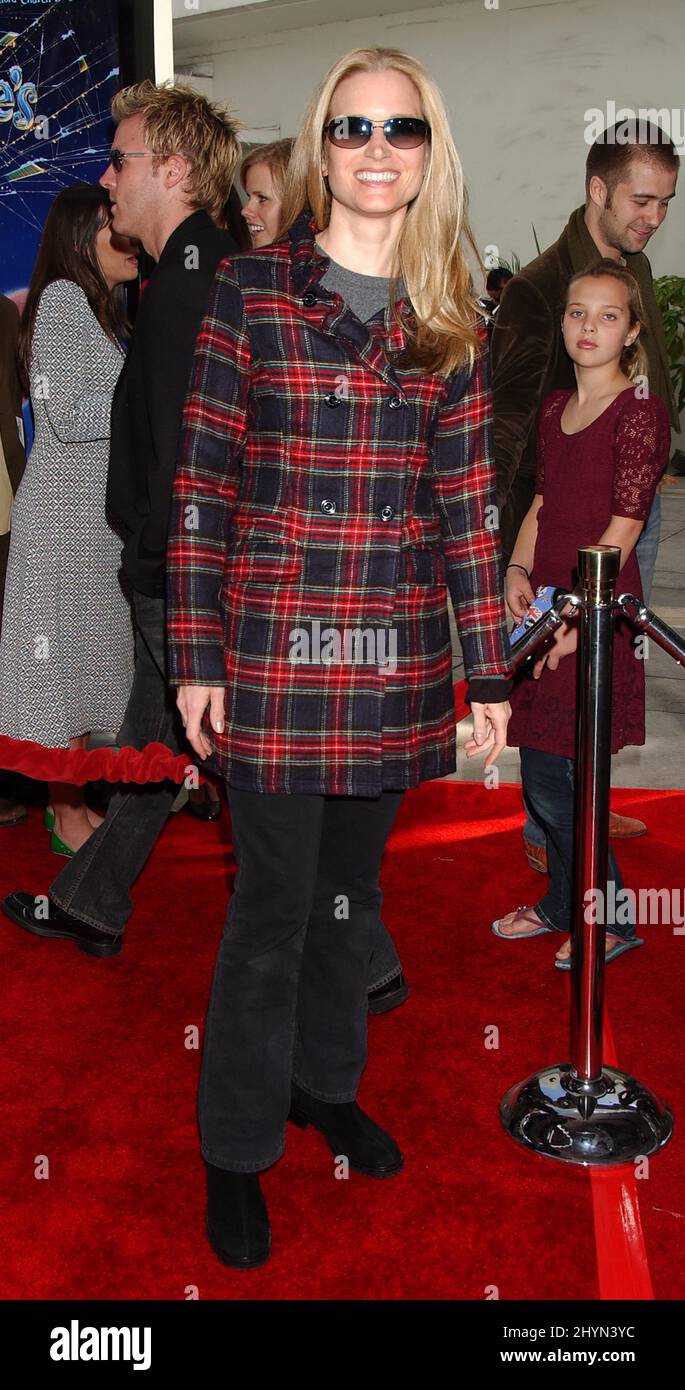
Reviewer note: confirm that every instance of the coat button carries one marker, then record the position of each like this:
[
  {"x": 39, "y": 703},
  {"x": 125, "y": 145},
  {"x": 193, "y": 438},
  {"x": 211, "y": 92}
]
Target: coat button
[
  {"x": 395, "y": 403},
  {"x": 309, "y": 299},
  {"x": 328, "y": 506},
  {"x": 332, "y": 400},
  {"x": 386, "y": 513}
]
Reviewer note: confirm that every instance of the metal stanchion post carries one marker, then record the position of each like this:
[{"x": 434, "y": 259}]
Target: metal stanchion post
[
  {"x": 598, "y": 569},
  {"x": 580, "y": 1111}
]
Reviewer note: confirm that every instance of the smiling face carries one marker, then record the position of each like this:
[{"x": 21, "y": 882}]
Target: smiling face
[
  {"x": 262, "y": 210},
  {"x": 627, "y": 219},
  {"x": 377, "y": 180},
  {"x": 596, "y": 323}
]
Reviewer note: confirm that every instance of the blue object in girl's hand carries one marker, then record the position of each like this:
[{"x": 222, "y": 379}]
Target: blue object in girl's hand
[{"x": 544, "y": 598}]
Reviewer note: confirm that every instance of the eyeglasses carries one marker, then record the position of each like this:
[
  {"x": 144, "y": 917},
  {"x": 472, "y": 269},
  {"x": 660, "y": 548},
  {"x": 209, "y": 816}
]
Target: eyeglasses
[
  {"x": 117, "y": 157},
  {"x": 353, "y": 132}
]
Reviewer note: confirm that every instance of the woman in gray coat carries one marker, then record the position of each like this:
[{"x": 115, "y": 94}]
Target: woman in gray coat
[{"x": 66, "y": 655}]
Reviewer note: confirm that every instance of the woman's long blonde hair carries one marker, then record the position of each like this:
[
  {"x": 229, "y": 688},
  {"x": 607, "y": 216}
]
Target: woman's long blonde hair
[
  {"x": 430, "y": 256},
  {"x": 634, "y": 360}
]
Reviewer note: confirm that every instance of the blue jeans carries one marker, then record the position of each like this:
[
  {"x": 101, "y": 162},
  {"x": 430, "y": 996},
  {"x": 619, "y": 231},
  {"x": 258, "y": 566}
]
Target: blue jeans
[
  {"x": 647, "y": 548},
  {"x": 549, "y": 787},
  {"x": 96, "y": 884}
]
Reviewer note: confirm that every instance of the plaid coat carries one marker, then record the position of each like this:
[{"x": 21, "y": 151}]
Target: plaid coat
[{"x": 326, "y": 498}]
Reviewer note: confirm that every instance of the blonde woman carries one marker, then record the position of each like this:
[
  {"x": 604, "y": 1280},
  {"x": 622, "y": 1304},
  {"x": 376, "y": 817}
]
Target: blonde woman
[
  {"x": 262, "y": 174},
  {"x": 336, "y": 457}
]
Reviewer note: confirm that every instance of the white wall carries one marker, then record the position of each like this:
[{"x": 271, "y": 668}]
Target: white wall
[{"x": 517, "y": 79}]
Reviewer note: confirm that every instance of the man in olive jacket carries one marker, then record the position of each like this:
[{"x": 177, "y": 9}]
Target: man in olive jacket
[
  {"x": 629, "y": 184},
  {"x": 12, "y": 461},
  {"x": 631, "y": 175}
]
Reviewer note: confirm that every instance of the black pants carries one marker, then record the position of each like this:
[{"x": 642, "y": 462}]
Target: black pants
[
  {"x": 96, "y": 883},
  {"x": 289, "y": 997}
]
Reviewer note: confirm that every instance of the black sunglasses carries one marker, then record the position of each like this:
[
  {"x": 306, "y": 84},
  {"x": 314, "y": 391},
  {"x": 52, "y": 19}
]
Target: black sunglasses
[
  {"x": 117, "y": 158},
  {"x": 353, "y": 132}
]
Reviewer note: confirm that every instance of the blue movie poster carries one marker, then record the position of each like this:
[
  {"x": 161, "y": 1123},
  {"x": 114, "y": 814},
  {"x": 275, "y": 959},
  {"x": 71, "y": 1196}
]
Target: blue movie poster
[{"x": 59, "y": 69}]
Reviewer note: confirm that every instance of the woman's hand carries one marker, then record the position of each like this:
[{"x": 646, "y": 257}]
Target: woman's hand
[
  {"x": 565, "y": 641},
  {"x": 192, "y": 701},
  {"x": 489, "y": 730},
  {"x": 518, "y": 593}
]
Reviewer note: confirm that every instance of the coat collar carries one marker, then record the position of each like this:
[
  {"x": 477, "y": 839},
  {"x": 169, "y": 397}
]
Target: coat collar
[
  {"x": 190, "y": 229},
  {"x": 328, "y": 311}
]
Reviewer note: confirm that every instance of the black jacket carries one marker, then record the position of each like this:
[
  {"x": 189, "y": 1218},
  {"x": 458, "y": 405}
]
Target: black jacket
[{"x": 148, "y": 401}]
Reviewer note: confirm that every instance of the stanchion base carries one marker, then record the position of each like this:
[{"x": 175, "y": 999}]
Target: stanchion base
[{"x": 613, "y": 1120}]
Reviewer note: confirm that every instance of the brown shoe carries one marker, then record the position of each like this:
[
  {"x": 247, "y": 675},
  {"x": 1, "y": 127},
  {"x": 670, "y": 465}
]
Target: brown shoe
[
  {"x": 536, "y": 856},
  {"x": 625, "y": 828}
]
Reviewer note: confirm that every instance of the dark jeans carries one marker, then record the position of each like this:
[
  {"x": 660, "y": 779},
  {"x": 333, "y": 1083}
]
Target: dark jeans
[
  {"x": 289, "y": 992},
  {"x": 647, "y": 548},
  {"x": 95, "y": 884},
  {"x": 549, "y": 787}
]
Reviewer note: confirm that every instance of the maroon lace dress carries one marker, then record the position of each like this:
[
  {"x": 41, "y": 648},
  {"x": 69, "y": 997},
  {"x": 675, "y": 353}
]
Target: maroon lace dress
[{"x": 610, "y": 468}]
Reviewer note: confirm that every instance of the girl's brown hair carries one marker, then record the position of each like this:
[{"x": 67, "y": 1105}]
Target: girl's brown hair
[
  {"x": 634, "y": 361},
  {"x": 67, "y": 252},
  {"x": 431, "y": 250}
]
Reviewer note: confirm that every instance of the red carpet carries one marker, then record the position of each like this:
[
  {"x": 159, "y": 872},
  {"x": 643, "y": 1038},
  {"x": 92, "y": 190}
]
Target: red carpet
[{"x": 97, "y": 1080}]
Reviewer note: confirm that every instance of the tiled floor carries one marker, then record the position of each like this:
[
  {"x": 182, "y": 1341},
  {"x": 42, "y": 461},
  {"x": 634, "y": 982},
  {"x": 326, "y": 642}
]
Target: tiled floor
[{"x": 661, "y": 762}]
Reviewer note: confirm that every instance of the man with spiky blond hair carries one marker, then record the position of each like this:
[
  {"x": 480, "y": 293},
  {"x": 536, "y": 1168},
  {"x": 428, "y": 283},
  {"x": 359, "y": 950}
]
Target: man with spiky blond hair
[{"x": 169, "y": 177}]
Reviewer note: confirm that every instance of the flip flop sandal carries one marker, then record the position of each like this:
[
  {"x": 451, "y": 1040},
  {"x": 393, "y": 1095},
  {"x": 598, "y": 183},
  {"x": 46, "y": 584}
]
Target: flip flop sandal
[
  {"x": 540, "y": 930},
  {"x": 618, "y": 950}
]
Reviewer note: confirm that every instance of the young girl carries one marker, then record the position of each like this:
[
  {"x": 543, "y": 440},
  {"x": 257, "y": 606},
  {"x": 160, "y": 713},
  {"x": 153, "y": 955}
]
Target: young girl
[{"x": 601, "y": 452}]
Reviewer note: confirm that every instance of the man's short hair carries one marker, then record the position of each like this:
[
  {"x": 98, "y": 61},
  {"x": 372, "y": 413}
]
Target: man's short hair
[
  {"x": 497, "y": 278},
  {"x": 178, "y": 120},
  {"x": 612, "y": 153}
]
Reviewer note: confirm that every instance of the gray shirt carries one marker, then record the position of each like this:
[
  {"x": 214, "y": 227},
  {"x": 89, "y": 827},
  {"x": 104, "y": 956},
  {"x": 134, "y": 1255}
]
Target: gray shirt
[{"x": 363, "y": 294}]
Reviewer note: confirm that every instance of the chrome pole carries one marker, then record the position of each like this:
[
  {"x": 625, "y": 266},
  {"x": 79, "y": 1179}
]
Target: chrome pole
[
  {"x": 598, "y": 569},
  {"x": 581, "y": 1111},
  {"x": 666, "y": 637}
]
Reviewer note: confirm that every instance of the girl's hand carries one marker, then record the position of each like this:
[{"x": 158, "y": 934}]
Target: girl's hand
[
  {"x": 565, "y": 641},
  {"x": 489, "y": 730},
  {"x": 192, "y": 701},
  {"x": 518, "y": 593}
]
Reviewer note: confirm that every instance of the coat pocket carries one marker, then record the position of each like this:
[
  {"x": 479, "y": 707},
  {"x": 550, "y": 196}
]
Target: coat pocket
[
  {"x": 423, "y": 566},
  {"x": 262, "y": 560}
]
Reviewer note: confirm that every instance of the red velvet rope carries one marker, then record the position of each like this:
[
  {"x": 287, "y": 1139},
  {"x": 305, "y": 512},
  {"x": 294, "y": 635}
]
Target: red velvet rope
[{"x": 154, "y": 763}]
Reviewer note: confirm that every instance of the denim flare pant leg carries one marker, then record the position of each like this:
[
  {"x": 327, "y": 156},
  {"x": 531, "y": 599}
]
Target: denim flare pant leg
[{"x": 549, "y": 782}]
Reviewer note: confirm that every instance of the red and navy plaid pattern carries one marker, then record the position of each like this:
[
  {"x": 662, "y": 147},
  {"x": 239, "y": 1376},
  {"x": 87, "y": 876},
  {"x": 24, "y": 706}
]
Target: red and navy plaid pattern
[{"x": 322, "y": 482}]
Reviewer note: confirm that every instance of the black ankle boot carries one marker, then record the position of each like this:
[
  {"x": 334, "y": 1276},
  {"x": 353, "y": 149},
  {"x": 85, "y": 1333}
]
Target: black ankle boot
[
  {"x": 237, "y": 1219},
  {"x": 349, "y": 1133}
]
